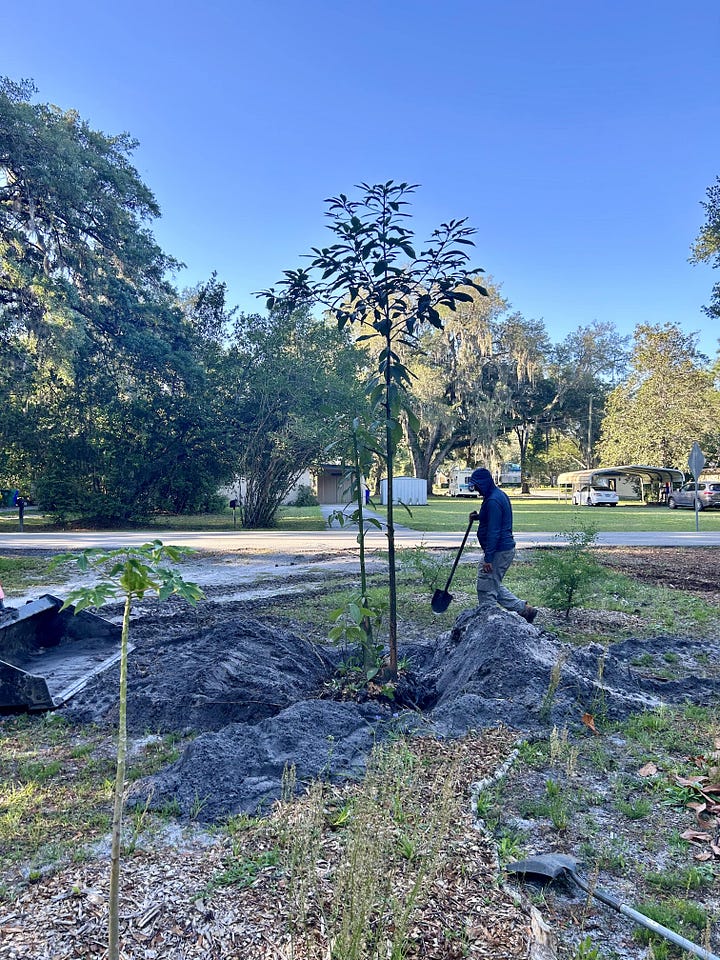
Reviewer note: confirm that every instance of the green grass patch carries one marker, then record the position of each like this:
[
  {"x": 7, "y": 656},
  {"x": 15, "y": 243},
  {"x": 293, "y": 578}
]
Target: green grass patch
[
  {"x": 553, "y": 516},
  {"x": 18, "y": 574},
  {"x": 288, "y": 519},
  {"x": 56, "y": 786}
]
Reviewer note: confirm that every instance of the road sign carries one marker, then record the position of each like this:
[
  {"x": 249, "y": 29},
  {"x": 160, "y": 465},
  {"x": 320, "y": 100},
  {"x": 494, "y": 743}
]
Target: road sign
[{"x": 696, "y": 460}]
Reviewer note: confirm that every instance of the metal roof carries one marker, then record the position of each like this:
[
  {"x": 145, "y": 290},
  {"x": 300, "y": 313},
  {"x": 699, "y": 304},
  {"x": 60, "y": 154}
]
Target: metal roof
[{"x": 645, "y": 473}]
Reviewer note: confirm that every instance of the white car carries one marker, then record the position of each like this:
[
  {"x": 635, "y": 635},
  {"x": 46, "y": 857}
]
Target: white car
[{"x": 591, "y": 496}]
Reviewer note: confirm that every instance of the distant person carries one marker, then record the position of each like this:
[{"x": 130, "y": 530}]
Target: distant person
[
  {"x": 20, "y": 504},
  {"x": 496, "y": 539}
]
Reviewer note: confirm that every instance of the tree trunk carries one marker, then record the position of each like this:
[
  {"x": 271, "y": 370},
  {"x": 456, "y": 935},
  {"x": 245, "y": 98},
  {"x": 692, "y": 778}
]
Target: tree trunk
[{"x": 114, "y": 894}]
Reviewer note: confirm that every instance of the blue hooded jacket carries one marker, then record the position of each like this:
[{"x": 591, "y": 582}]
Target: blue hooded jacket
[{"x": 496, "y": 520}]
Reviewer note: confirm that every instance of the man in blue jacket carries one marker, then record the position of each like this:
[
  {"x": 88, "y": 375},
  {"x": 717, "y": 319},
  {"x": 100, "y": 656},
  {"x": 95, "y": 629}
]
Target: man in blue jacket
[{"x": 496, "y": 539}]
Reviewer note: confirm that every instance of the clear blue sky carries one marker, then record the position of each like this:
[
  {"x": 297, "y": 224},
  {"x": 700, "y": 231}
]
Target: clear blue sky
[{"x": 579, "y": 137}]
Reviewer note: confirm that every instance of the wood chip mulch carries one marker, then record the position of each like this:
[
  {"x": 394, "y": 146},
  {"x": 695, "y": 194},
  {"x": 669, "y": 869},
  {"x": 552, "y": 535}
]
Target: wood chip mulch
[{"x": 174, "y": 906}]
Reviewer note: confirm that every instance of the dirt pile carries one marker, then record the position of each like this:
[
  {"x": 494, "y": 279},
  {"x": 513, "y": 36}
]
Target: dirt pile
[
  {"x": 240, "y": 671},
  {"x": 499, "y": 669},
  {"x": 259, "y": 698},
  {"x": 240, "y": 768}
]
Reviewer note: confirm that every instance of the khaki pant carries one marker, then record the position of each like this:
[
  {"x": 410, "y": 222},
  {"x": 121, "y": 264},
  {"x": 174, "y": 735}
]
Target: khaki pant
[{"x": 490, "y": 587}]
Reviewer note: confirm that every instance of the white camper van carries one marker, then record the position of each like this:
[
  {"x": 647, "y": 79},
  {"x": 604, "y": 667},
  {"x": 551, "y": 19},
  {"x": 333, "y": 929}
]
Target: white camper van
[{"x": 458, "y": 483}]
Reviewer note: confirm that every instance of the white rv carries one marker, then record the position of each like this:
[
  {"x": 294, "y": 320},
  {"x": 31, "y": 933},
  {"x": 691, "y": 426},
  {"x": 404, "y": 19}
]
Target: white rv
[{"x": 458, "y": 483}]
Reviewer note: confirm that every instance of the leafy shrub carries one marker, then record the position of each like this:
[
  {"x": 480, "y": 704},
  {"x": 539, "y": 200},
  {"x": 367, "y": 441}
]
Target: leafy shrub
[
  {"x": 305, "y": 497},
  {"x": 569, "y": 573}
]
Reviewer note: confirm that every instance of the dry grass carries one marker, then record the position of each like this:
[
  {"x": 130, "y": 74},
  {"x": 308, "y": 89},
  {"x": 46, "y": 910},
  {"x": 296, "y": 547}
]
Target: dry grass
[{"x": 402, "y": 876}]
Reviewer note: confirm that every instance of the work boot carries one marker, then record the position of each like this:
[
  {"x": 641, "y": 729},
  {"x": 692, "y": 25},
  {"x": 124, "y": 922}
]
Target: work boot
[{"x": 529, "y": 613}]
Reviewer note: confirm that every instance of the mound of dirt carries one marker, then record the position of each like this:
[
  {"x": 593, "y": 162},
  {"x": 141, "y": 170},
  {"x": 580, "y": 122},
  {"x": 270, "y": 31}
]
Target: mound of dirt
[
  {"x": 497, "y": 668},
  {"x": 258, "y": 697},
  {"x": 238, "y": 672},
  {"x": 240, "y": 768}
]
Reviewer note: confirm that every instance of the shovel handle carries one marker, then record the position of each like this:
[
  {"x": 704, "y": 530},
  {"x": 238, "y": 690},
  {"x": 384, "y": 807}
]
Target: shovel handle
[
  {"x": 459, "y": 554},
  {"x": 644, "y": 921}
]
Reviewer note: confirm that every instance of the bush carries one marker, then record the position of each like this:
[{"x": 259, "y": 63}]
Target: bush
[
  {"x": 569, "y": 573},
  {"x": 305, "y": 497}
]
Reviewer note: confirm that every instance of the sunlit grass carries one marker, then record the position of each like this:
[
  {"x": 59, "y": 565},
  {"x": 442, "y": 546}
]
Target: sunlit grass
[
  {"x": 553, "y": 516},
  {"x": 288, "y": 519},
  {"x": 56, "y": 786}
]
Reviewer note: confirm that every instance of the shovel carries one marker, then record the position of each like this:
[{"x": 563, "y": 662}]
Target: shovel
[
  {"x": 553, "y": 865},
  {"x": 441, "y": 598}
]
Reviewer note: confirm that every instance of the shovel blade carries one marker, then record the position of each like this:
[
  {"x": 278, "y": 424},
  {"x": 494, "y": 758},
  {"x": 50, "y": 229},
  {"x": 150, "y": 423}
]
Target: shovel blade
[
  {"x": 441, "y": 601},
  {"x": 549, "y": 865}
]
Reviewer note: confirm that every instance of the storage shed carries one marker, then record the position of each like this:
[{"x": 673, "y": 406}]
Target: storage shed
[{"x": 409, "y": 490}]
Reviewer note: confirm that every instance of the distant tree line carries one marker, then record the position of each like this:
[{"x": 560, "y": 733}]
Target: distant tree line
[{"x": 123, "y": 396}]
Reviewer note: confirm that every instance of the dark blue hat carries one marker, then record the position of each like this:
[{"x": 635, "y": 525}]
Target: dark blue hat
[{"x": 481, "y": 480}]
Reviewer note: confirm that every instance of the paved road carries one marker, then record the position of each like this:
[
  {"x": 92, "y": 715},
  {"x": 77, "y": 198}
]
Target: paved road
[{"x": 327, "y": 541}]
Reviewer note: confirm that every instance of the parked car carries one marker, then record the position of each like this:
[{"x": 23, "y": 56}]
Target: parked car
[
  {"x": 706, "y": 493},
  {"x": 592, "y": 496}
]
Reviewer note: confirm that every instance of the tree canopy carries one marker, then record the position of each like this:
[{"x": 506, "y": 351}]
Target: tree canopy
[
  {"x": 103, "y": 384},
  {"x": 707, "y": 244},
  {"x": 668, "y": 401}
]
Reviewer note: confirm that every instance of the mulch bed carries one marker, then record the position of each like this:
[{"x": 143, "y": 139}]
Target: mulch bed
[{"x": 172, "y": 907}]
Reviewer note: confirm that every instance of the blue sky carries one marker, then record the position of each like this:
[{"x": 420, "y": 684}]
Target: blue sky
[{"x": 578, "y": 137}]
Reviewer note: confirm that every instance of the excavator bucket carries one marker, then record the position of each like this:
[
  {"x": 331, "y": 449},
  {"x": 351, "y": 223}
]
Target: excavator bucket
[{"x": 47, "y": 656}]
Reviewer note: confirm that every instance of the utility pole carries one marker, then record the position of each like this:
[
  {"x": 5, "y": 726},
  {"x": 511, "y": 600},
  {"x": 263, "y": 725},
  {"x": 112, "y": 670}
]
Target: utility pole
[{"x": 589, "y": 437}]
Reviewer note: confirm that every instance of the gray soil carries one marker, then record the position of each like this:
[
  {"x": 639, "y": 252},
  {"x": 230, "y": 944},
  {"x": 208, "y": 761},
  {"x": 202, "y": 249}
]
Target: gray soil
[{"x": 256, "y": 697}]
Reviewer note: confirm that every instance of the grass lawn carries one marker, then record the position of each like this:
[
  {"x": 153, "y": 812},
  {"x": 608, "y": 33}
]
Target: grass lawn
[
  {"x": 531, "y": 515},
  {"x": 289, "y": 519},
  {"x": 540, "y": 515}
]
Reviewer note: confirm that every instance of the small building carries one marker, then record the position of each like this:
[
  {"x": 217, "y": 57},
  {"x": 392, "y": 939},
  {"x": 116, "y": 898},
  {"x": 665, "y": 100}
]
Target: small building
[
  {"x": 408, "y": 490},
  {"x": 333, "y": 483}
]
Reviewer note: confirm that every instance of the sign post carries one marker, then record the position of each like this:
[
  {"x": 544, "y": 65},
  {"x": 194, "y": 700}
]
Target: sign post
[{"x": 696, "y": 461}]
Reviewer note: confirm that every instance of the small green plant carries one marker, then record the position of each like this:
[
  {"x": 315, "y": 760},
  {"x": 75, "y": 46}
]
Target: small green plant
[
  {"x": 533, "y": 753},
  {"x": 508, "y": 847},
  {"x": 485, "y": 804},
  {"x": 569, "y": 573},
  {"x": 586, "y": 951},
  {"x": 682, "y": 879},
  {"x": 636, "y": 809},
  {"x": 430, "y": 567},
  {"x": 644, "y": 660},
  {"x": 243, "y": 873},
  {"x": 305, "y": 497},
  {"x": 128, "y": 573},
  {"x": 353, "y": 625},
  {"x": 681, "y": 916}
]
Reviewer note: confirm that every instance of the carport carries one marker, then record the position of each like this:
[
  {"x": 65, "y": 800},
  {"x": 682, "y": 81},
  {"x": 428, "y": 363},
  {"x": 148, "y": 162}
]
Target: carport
[{"x": 569, "y": 482}]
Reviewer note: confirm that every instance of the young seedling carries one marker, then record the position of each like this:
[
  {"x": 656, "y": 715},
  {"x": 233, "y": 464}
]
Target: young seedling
[{"x": 128, "y": 573}]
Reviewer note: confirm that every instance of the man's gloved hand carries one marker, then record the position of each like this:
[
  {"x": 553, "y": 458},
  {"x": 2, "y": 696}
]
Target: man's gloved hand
[{"x": 474, "y": 516}]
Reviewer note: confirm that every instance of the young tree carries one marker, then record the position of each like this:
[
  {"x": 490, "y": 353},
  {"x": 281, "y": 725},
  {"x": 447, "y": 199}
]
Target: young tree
[
  {"x": 372, "y": 277},
  {"x": 128, "y": 573}
]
